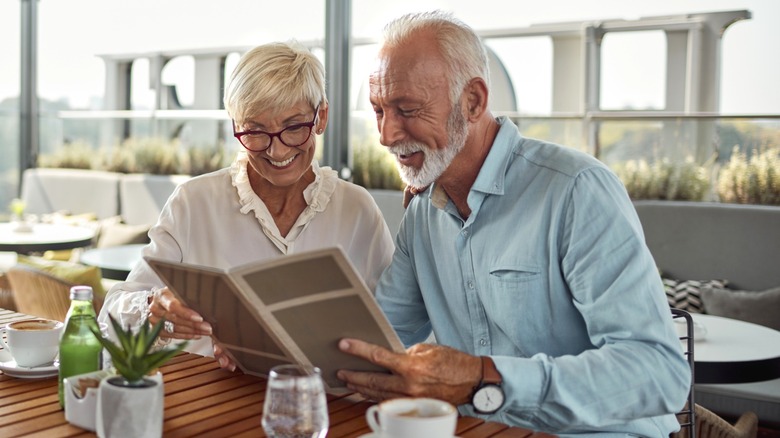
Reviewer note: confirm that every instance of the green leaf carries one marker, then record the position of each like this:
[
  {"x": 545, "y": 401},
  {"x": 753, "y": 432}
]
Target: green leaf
[{"x": 134, "y": 357}]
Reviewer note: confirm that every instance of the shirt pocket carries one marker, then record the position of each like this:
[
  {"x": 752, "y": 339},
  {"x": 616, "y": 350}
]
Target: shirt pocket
[
  {"x": 514, "y": 273},
  {"x": 517, "y": 304},
  {"x": 516, "y": 284}
]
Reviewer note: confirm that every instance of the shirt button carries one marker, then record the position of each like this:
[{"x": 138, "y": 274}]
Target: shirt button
[
  {"x": 483, "y": 342},
  {"x": 471, "y": 284},
  {"x": 466, "y": 233}
]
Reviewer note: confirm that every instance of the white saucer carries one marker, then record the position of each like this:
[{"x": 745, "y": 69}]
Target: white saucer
[{"x": 9, "y": 367}]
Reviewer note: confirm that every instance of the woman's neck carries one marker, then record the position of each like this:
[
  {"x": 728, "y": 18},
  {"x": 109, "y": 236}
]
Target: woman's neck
[{"x": 284, "y": 203}]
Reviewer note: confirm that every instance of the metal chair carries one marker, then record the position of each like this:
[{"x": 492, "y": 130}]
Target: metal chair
[
  {"x": 699, "y": 422},
  {"x": 687, "y": 417}
]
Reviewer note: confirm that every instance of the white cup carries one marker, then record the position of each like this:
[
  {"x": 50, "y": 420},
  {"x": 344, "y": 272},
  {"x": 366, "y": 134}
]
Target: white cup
[
  {"x": 413, "y": 418},
  {"x": 33, "y": 342}
]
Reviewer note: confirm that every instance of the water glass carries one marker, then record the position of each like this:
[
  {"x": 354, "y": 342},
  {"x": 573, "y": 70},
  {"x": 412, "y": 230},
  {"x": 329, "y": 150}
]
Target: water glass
[{"x": 295, "y": 405}]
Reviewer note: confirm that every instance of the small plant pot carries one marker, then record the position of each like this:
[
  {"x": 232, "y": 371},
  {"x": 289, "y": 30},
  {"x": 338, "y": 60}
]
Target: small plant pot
[{"x": 129, "y": 410}]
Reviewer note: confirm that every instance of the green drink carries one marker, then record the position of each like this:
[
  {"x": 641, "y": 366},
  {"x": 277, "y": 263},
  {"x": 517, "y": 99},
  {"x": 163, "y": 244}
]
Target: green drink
[{"x": 79, "y": 349}]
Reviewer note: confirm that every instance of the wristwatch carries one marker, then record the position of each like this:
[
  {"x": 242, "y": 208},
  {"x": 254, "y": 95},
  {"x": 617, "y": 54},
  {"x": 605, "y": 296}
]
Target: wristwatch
[{"x": 488, "y": 396}]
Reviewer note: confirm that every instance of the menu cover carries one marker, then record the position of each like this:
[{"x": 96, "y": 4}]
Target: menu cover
[{"x": 293, "y": 309}]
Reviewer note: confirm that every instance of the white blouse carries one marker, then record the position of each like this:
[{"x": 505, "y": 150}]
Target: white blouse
[{"x": 217, "y": 220}]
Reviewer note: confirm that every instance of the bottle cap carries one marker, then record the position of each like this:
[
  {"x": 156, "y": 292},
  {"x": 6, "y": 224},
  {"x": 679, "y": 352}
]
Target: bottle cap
[{"x": 81, "y": 293}]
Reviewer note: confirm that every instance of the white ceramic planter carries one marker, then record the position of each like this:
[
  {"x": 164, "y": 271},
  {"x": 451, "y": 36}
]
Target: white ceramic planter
[{"x": 129, "y": 411}]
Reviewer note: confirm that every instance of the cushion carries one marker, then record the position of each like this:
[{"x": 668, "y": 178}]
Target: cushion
[
  {"x": 686, "y": 294},
  {"x": 757, "y": 307},
  {"x": 75, "y": 273},
  {"x": 114, "y": 233},
  {"x": 58, "y": 254}
]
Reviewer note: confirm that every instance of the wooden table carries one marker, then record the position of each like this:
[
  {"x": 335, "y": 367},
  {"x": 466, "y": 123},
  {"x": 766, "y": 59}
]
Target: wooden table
[
  {"x": 44, "y": 237},
  {"x": 200, "y": 400},
  {"x": 735, "y": 351},
  {"x": 115, "y": 262}
]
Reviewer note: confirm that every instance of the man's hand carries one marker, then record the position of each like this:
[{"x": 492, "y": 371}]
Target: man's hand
[
  {"x": 187, "y": 323},
  {"x": 223, "y": 359},
  {"x": 425, "y": 370}
]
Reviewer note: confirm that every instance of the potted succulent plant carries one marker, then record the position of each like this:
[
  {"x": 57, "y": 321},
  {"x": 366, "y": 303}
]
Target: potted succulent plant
[{"x": 131, "y": 404}]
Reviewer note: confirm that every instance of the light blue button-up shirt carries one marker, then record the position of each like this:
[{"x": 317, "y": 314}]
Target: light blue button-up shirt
[{"x": 551, "y": 277}]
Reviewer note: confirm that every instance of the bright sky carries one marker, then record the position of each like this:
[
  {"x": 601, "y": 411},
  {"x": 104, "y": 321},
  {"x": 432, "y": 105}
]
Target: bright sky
[{"x": 72, "y": 32}]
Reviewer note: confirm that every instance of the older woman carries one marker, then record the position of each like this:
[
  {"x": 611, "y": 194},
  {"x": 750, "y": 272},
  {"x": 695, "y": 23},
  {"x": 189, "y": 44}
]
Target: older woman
[{"x": 273, "y": 200}]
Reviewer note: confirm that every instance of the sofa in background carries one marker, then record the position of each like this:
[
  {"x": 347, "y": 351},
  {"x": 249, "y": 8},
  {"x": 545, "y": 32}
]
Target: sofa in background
[
  {"x": 390, "y": 203},
  {"x": 736, "y": 243},
  {"x": 136, "y": 199},
  {"x": 142, "y": 196},
  {"x": 77, "y": 191}
]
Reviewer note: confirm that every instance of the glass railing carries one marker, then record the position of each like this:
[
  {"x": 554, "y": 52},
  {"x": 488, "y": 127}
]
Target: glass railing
[
  {"x": 652, "y": 148},
  {"x": 663, "y": 155}
]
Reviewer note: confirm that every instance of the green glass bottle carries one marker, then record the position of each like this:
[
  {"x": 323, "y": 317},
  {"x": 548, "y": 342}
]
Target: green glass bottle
[{"x": 79, "y": 349}]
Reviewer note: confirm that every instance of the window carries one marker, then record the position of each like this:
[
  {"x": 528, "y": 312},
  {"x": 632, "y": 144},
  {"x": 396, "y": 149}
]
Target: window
[{"x": 630, "y": 81}]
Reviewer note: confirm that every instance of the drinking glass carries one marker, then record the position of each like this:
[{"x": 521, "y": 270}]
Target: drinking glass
[{"x": 295, "y": 404}]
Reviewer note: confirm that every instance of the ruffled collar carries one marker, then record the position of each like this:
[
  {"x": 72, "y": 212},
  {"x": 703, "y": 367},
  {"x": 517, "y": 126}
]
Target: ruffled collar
[{"x": 317, "y": 196}]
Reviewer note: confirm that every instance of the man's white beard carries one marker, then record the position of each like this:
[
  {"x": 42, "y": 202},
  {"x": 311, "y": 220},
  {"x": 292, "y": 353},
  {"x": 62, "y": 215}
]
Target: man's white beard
[{"x": 435, "y": 161}]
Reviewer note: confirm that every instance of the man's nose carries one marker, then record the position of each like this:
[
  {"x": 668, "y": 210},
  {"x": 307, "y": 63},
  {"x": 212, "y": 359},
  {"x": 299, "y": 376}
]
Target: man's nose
[{"x": 391, "y": 129}]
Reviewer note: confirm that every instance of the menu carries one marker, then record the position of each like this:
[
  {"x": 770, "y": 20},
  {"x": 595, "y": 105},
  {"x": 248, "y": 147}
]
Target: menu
[{"x": 290, "y": 310}]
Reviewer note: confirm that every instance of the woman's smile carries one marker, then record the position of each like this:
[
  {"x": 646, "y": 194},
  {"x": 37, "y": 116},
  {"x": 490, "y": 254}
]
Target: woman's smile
[{"x": 282, "y": 164}]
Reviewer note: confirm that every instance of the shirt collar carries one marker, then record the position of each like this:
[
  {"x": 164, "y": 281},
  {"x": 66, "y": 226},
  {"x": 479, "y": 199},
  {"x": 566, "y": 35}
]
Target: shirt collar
[
  {"x": 492, "y": 174},
  {"x": 317, "y": 194}
]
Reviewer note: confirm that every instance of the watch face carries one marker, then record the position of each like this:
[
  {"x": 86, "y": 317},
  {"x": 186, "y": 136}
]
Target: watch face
[{"x": 488, "y": 399}]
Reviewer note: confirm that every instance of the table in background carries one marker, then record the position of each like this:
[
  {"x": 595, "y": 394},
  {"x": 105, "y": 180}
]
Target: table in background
[
  {"x": 115, "y": 262},
  {"x": 735, "y": 351},
  {"x": 200, "y": 400},
  {"x": 44, "y": 237}
]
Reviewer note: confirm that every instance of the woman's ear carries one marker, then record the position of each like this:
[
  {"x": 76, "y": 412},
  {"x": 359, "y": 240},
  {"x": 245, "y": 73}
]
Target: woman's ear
[{"x": 322, "y": 120}]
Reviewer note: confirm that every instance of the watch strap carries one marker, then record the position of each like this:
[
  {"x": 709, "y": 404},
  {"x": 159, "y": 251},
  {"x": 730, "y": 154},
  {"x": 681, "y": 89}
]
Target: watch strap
[{"x": 490, "y": 373}]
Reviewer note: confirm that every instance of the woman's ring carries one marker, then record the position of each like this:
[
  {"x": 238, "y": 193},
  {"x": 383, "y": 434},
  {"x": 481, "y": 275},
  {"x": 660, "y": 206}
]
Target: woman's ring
[{"x": 168, "y": 327}]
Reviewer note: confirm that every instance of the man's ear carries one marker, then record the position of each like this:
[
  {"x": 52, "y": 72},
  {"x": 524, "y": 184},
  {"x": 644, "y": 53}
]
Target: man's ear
[{"x": 476, "y": 93}]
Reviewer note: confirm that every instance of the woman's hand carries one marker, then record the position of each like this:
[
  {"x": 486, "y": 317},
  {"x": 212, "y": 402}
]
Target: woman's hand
[{"x": 181, "y": 321}]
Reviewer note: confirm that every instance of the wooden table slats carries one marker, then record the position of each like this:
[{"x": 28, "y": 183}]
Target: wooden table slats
[{"x": 200, "y": 400}]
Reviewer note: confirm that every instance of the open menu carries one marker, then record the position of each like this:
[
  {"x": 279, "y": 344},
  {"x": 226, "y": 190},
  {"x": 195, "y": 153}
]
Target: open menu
[{"x": 292, "y": 309}]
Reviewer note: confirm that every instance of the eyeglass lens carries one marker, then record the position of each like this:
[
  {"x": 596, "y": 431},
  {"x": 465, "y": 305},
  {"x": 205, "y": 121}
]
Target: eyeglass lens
[{"x": 291, "y": 136}]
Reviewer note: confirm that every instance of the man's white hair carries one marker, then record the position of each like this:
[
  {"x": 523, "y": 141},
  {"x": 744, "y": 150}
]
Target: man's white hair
[{"x": 461, "y": 47}]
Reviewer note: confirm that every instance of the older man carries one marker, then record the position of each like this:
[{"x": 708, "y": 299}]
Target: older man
[{"x": 525, "y": 258}]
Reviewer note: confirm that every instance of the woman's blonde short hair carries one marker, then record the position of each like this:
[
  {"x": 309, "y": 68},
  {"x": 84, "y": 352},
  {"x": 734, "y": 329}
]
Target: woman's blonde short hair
[{"x": 276, "y": 75}]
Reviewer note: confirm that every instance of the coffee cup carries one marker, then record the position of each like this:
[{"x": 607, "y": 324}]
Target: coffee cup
[
  {"x": 34, "y": 342},
  {"x": 413, "y": 418}
]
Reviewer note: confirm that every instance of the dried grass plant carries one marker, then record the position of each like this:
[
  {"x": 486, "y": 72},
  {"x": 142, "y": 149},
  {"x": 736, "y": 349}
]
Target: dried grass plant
[
  {"x": 76, "y": 155},
  {"x": 140, "y": 155},
  {"x": 686, "y": 181},
  {"x": 373, "y": 167},
  {"x": 751, "y": 180}
]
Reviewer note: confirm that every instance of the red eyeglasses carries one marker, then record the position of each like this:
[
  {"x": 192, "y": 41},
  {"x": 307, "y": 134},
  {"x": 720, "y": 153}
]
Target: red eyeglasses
[{"x": 291, "y": 136}]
